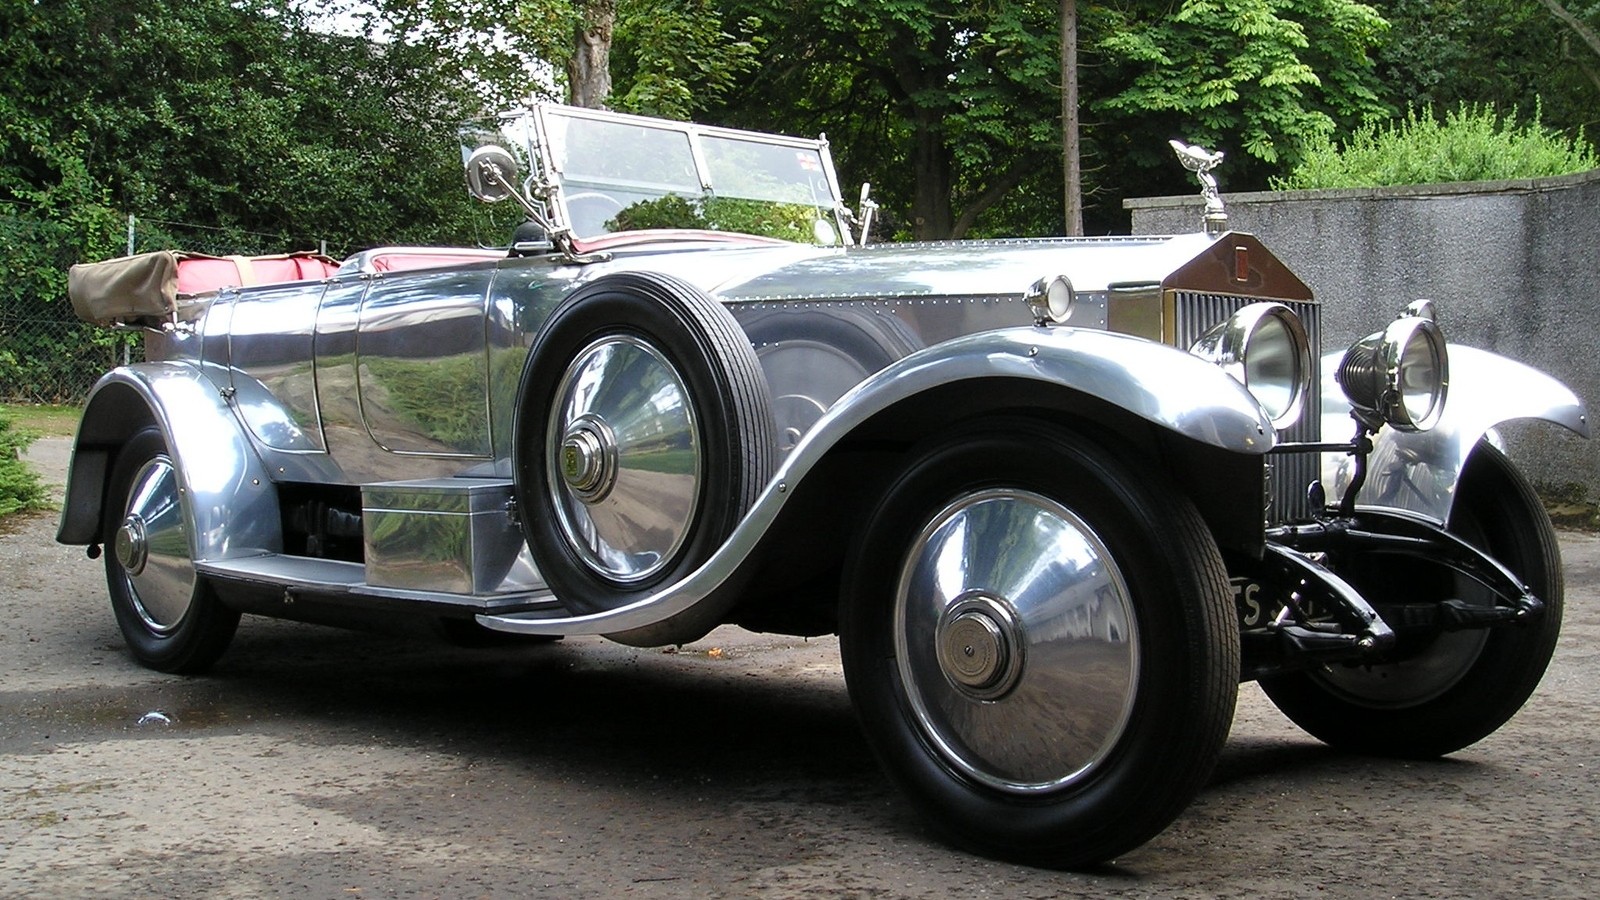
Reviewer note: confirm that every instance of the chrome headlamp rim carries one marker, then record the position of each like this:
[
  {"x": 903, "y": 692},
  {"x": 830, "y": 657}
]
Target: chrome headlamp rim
[
  {"x": 1233, "y": 343},
  {"x": 1051, "y": 299},
  {"x": 1399, "y": 339},
  {"x": 1380, "y": 373}
]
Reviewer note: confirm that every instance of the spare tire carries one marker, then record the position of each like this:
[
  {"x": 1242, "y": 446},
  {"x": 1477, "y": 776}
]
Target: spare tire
[
  {"x": 811, "y": 357},
  {"x": 643, "y": 436}
]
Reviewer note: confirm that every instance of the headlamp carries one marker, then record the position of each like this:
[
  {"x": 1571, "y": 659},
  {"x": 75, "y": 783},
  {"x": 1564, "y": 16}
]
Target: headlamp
[{"x": 1265, "y": 348}]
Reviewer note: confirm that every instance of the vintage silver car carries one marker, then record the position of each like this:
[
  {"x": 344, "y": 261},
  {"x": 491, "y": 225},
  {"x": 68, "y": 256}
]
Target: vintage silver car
[{"x": 1057, "y": 497}]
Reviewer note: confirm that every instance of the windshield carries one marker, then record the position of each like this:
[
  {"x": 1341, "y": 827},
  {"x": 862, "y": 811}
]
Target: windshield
[{"x": 607, "y": 172}]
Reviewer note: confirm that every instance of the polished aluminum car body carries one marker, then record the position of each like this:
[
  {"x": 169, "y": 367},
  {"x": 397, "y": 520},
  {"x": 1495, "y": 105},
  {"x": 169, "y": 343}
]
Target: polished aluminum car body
[{"x": 1027, "y": 466}]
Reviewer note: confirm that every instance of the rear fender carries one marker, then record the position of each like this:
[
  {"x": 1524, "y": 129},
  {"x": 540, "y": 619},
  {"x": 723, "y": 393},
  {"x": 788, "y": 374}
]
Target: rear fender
[
  {"x": 230, "y": 507},
  {"x": 1419, "y": 472}
]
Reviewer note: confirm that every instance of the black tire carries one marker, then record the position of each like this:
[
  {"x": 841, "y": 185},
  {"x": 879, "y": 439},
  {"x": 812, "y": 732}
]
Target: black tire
[
  {"x": 676, "y": 482},
  {"x": 169, "y": 616},
  {"x": 1450, "y": 691},
  {"x": 982, "y": 759}
]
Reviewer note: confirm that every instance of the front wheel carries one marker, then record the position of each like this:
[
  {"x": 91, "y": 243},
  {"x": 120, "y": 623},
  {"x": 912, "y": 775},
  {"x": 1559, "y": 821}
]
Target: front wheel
[
  {"x": 1040, "y": 645},
  {"x": 169, "y": 616},
  {"x": 1442, "y": 692}
]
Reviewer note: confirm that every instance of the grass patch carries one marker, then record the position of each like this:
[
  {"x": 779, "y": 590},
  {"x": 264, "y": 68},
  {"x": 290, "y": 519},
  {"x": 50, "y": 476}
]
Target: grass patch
[{"x": 44, "y": 421}]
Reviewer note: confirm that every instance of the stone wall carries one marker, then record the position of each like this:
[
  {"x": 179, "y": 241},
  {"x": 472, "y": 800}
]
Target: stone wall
[{"x": 1514, "y": 267}]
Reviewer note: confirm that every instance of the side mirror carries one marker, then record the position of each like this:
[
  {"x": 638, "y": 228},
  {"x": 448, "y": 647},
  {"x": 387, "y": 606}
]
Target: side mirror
[{"x": 491, "y": 174}]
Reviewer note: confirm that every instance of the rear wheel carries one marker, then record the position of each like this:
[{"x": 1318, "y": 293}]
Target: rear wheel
[
  {"x": 1040, "y": 644},
  {"x": 170, "y": 617},
  {"x": 1446, "y": 691}
]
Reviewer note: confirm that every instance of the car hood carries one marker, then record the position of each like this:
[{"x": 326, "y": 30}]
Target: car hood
[{"x": 967, "y": 268}]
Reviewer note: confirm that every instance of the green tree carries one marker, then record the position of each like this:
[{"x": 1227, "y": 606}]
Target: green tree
[
  {"x": 675, "y": 59},
  {"x": 1509, "y": 54},
  {"x": 1259, "y": 79},
  {"x": 223, "y": 125},
  {"x": 955, "y": 108},
  {"x": 950, "y": 106},
  {"x": 668, "y": 58},
  {"x": 233, "y": 115}
]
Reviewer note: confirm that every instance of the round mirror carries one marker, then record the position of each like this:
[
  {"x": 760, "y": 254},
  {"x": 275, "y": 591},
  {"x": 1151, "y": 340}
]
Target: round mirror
[{"x": 491, "y": 173}]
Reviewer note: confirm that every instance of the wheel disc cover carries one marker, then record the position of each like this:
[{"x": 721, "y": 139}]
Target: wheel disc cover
[
  {"x": 152, "y": 546},
  {"x": 1428, "y": 673},
  {"x": 1420, "y": 677},
  {"x": 1015, "y": 641},
  {"x": 822, "y": 373},
  {"x": 624, "y": 459}
]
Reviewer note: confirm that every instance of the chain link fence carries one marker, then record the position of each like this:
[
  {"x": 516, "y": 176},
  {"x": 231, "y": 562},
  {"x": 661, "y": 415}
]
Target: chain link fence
[
  {"x": 47, "y": 354},
  {"x": 46, "y": 360}
]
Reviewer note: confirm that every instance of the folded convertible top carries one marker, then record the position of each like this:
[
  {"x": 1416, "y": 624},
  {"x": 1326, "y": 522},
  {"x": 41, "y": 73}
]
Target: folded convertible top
[{"x": 150, "y": 288}]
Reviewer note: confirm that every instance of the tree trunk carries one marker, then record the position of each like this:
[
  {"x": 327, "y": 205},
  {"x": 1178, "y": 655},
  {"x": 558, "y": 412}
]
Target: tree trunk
[
  {"x": 931, "y": 219},
  {"x": 1070, "y": 151},
  {"x": 589, "y": 68},
  {"x": 1584, "y": 32}
]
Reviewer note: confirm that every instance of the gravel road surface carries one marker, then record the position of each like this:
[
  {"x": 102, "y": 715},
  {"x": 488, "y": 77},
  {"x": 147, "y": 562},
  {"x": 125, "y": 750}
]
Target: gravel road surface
[{"x": 319, "y": 763}]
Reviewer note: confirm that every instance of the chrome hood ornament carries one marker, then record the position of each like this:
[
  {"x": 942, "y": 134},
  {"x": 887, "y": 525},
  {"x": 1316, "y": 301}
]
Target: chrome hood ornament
[{"x": 1201, "y": 161}]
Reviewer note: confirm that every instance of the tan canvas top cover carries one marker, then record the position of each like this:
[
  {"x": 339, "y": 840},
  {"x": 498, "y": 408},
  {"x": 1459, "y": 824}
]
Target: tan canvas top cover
[
  {"x": 129, "y": 289},
  {"x": 153, "y": 288}
]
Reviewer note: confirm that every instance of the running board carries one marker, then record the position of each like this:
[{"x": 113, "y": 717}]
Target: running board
[{"x": 344, "y": 583}]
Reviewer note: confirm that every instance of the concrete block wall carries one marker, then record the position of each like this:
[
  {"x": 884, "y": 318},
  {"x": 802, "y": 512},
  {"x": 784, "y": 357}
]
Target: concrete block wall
[{"x": 1514, "y": 267}]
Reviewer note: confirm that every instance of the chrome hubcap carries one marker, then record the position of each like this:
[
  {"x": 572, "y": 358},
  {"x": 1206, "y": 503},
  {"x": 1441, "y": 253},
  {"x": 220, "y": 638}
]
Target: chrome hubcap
[
  {"x": 624, "y": 458},
  {"x": 1016, "y": 641},
  {"x": 131, "y": 548},
  {"x": 589, "y": 459},
  {"x": 979, "y": 646},
  {"x": 152, "y": 547}
]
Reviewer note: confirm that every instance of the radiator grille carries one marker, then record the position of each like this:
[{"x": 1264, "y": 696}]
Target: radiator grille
[{"x": 1289, "y": 473}]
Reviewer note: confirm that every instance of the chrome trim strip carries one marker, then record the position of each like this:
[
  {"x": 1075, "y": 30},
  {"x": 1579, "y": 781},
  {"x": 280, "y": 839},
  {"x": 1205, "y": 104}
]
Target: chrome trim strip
[
  {"x": 1165, "y": 386},
  {"x": 332, "y": 579},
  {"x": 1418, "y": 472}
]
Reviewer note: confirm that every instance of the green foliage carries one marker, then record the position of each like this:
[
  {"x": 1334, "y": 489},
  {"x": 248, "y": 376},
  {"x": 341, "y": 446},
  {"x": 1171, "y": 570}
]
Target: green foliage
[
  {"x": 19, "y": 484},
  {"x": 946, "y": 106},
  {"x": 1471, "y": 144},
  {"x": 46, "y": 354},
  {"x": 1507, "y": 54},
  {"x": 953, "y": 109},
  {"x": 224, "y": 126},
  {"x": 671, "y": 211},
  {"x": 672, "y": 59},
  {"x": 669, "y": 58},
  {"x": 1260, "y": 79},
  {"x": 788, "y": 221}
]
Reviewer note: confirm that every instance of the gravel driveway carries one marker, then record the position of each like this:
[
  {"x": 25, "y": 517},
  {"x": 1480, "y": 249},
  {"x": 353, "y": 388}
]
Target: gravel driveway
[{"x": 319, "y": 763}]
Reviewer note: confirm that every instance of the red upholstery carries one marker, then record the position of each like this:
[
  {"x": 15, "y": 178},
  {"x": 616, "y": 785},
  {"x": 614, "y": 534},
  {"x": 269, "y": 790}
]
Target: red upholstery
[
  {"x": 198, "y": 274},
  {"x": 406, "y": 260}
]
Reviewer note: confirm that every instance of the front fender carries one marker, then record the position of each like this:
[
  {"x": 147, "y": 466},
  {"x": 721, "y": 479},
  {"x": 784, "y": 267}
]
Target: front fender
[
  {"x": 1169, "y": 388},
  {"x": 230, "y": 507},
  {"x": 1418, "y": 472}
]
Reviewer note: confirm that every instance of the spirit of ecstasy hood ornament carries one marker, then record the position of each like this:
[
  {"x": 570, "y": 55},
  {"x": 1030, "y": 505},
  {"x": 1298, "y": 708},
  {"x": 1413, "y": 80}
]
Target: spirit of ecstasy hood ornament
[{"x": 1201, "y": 161}]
